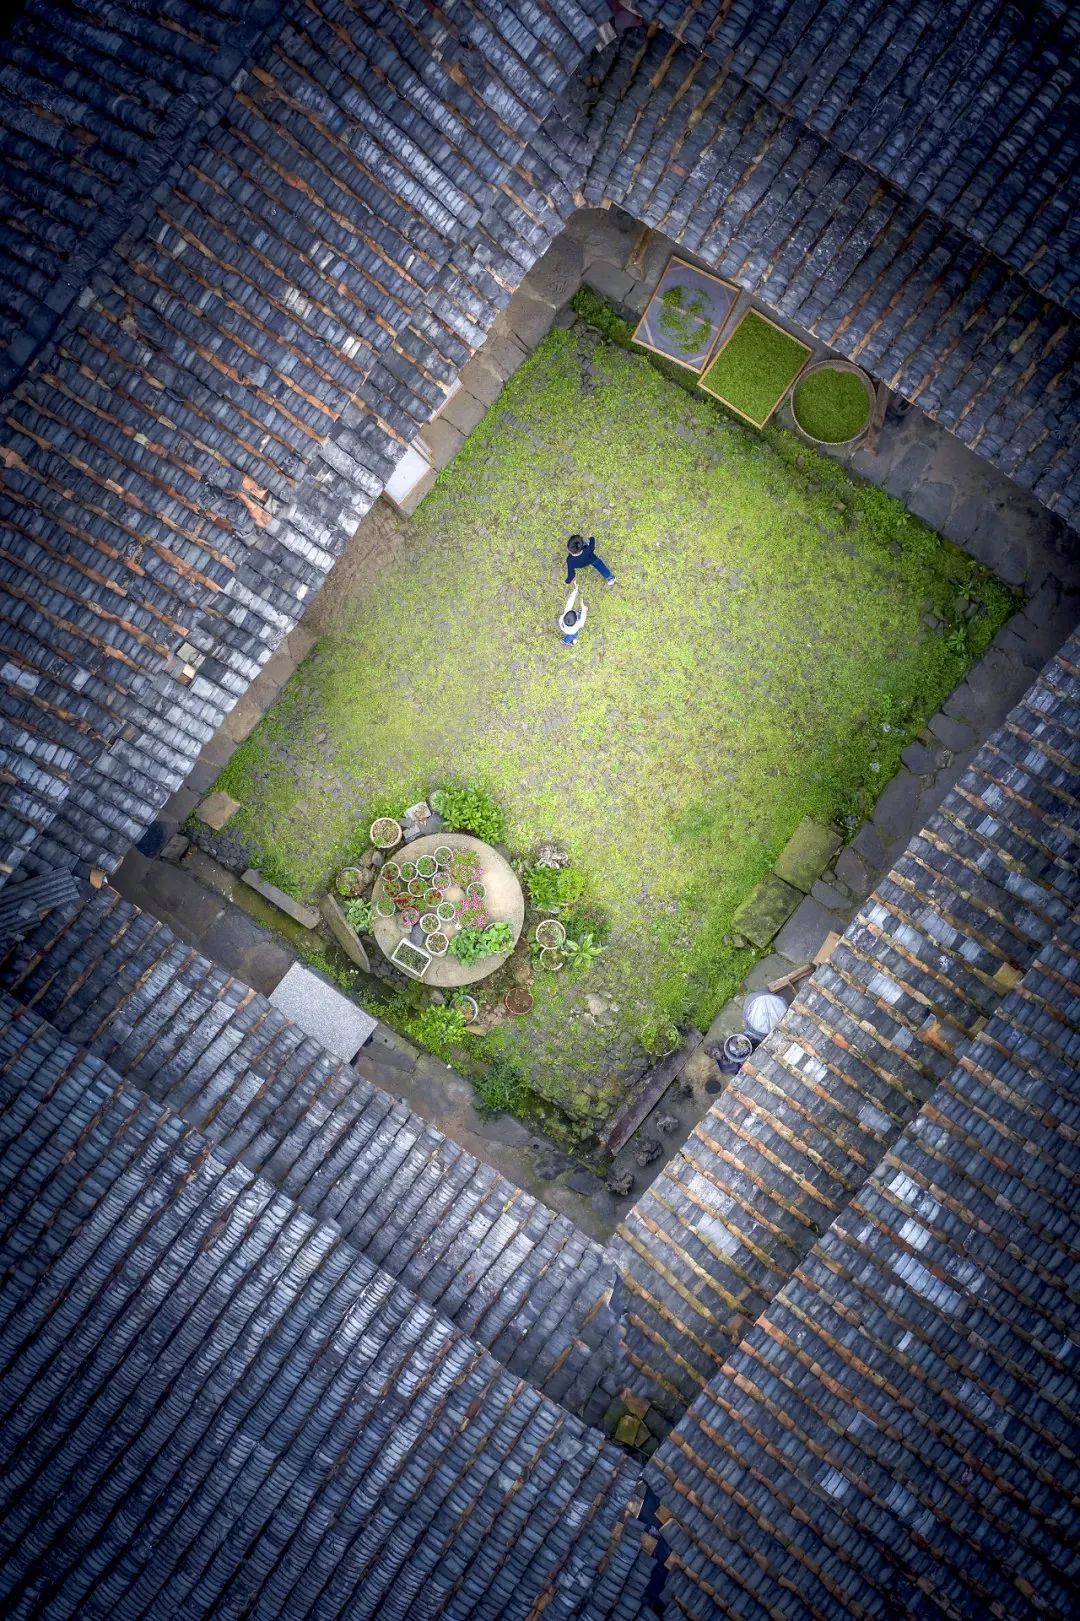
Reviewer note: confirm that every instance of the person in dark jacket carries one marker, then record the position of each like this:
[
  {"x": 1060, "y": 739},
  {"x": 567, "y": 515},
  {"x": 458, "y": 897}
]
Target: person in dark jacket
[{"x": 582, "y": 554}]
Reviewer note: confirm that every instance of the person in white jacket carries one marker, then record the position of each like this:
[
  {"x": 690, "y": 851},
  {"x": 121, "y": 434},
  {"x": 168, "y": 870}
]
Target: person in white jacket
[{"x": 572, "y": 618}]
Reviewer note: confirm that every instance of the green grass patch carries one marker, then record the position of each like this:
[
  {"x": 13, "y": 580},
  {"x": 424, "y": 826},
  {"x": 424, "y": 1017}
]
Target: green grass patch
[
  {"x": 763, "y": 657},
  {"x": 831, "y": 405},
  {"x": 754, "y": 368}
]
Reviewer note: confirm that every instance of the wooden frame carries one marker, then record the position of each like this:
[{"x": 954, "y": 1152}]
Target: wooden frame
[
  {"x": 715, "y": 356},
  {"x": 716, "y": 327}
]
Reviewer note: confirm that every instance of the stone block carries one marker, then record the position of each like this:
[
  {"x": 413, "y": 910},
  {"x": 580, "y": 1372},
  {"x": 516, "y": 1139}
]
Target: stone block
[
  {"x": 896, "y": 812},
  {"x": 442, "y": 440},
  {"x": 323, "y": 1012},
  {"x": 807, "y": 853},
  {"x": 828, "y": 896},
  {"x": 463, "y": 411},
  {"x": 806, "y": 931},
  {"x": 306, "y": 916},
  {"x": 557, "y": 274},
  {"x": 768, "y": 908},
  {"x": 609, "y": 280},
  {"x": 529, "y": 320},
  {"x": 346, "y": 937},
  {"x": 217, "y": 809},
  {"x": 853, "y": 871},
  {"x": 482, "y": 382}
]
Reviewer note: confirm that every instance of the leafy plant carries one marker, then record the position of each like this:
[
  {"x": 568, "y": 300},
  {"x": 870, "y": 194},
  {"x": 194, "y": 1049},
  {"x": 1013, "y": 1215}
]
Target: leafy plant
[
  {"x": 659, "y": 1037},
  {"x": 551, "y": 887},
  {"x": 470, "y": 810},
  {"x": 502, "y": 1090},
  {"x": 358, "y": 915},
  {"x": 680, "y": 319},
  {"x": 584, "y": 917},
  {"x": 471, "y": 945},
  {"x": 581, "y": 953},
  {"x": 437, "y": 1028}
]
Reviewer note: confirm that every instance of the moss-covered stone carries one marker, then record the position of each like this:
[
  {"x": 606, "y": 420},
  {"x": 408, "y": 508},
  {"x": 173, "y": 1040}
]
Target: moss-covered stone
[
  {"x": 762, "y": 917},
  {"x": 807, "y": 853}
]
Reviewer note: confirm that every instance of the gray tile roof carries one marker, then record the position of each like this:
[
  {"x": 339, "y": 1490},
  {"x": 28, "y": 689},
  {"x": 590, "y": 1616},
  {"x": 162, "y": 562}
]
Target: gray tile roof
[
  {"x": 213, "y": 1405},
  {"x": 897, "y": 1434},
  {"x": 972, "y": 110}
]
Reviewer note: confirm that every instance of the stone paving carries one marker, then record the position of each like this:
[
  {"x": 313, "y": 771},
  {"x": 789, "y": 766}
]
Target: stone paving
[{"x": 930, "y": 471}]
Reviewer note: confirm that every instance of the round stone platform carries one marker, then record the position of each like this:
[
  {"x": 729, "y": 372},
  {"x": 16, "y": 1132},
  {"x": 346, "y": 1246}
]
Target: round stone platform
[{"x": 504, "y": 903}]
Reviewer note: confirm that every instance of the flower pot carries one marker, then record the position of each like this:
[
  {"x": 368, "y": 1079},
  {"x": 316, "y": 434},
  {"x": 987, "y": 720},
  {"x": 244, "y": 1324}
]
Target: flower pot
[
  {"x": 737, "y": 1047},
  {"x": 385, "y": 906},
  {"x": 551, "y": 959},
  {"x": 518, "y": 1001},
  {"x": 389, "y": 871},
  {"x": 410, "y": 917},
  {"x": 813, "y": 376},
  {"x": 550, "y": 933},
  {"x": 443, "y": 855},
  {"x": 437, "y": 943},
  {"x": 417, "y": 888},
  {"x": 467, "y": 1006},
  {"x": 476, "y": 891},
  {"x": 385, "y": 833},
  {"x": 426, "y": 867},
  {"x": 407, "y": 872},
  {"x": 447, "y": 911},
  {"x": 429, "y": 923},
  {"x": 350, "y": 882}
]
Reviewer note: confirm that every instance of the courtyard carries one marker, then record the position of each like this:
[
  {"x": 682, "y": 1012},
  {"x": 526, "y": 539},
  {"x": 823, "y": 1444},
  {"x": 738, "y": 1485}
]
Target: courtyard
[{"x": 778, "y": 633}]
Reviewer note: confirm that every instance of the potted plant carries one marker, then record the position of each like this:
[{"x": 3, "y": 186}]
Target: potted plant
[
  {"x": 385, "y": 833},
  {"x": 385, "y": 906},
  {"x": 429, "y": 923},
  {"x": 432, "y": 897},
  {"x": 402, "y": 899},
  {"x": 407, "y": 871},
  {"x": 389, "y": 870},
  {"x": 426, "y": 866},
  {"x": 437, "y": 943},
  {"x": 350, "y": 882},
  {"x": 443, "y": 856},
  {"x": 550, "y": 932},
  {"x": 476, "y": 891},
  {"x": 447, "y": 911},
  {"x": 410, "y": 917},
  {"x": 551, "y": 959},
  {"x": 518, "y": 1001},
  {"x": 417, "y": 888},
  {"x": 466, "y": 1005},
  {"x": 413, "y": 959}
]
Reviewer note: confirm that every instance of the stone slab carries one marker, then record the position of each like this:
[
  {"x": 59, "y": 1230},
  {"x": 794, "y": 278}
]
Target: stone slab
[
  {"x": 806, "y": 931},
  {"x": 299, "y": 911},
  {"x": 324, "y": 1013},
  {"x": 807, "y": 853},
  {"x": 557, "y": 273},
  {"x": 771, "y": 904},
  {"x": 217, "y": 809},
  {"x": 346, "y": 937},
  {"x": 463, "y": 411}
]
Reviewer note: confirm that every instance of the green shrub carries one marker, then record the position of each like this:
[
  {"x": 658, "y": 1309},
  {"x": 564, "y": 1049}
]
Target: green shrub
[
  {"x": 581, "y": 953},
  {"x": 437, "y": 1028},
  {"x": 472, "y": 945},
  {"x": 585, "y": 917},
  {"x": 358, "y": 915},
  {"x": 550, "y": 887},
  {"x": 659, "y": 1037},
  {"x": 470, "y": 810},
  {"x": 277, "y": 872},
  {"x": 502, "y": 1090},
  {"x": 599, "y": 313}
]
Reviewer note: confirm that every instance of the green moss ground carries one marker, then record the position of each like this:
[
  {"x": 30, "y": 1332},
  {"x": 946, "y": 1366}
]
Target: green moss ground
[
  {"x": 755, "y": 367},
  {"x": 763, "y": 656},
  {"x": 832, "y": 406}
]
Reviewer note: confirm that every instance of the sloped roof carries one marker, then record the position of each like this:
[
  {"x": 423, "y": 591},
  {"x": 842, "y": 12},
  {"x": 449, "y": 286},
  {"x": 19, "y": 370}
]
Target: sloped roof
[
  {"x": 898, "y": 1432},
  {"x": 212, "y": 1403},
  {"x": 972, "y": 110}
]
